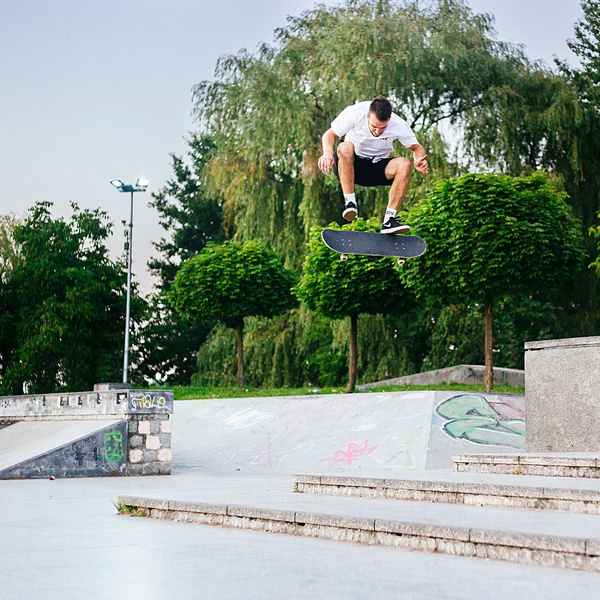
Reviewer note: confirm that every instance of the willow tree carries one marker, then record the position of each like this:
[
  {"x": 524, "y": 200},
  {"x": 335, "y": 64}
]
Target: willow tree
[
  {"x": 266, "y": 111},
  {"x": 489, "y": 236}
]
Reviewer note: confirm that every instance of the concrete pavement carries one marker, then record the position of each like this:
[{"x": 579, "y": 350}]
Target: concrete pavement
[{"x": 63, "y": 539}]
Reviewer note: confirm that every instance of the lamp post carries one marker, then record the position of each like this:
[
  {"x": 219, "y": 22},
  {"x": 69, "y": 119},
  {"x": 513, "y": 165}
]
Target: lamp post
[{"x": 140, "y": 186}]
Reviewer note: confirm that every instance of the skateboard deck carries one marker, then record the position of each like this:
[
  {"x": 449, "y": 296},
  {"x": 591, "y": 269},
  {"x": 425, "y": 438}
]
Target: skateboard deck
[{"x": 375, "y": 244}]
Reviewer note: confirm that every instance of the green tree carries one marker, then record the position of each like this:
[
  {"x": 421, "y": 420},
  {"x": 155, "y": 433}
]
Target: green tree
[
  {"x": 232, "y": 281},
  {"x": 62, "y": 305},
  {"x": 169, "y": 341},
  {"x": 493, "y": 235},
  {"x": 361, "y": 285}
]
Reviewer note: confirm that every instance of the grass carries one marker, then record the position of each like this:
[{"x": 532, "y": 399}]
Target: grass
[{"x": 203, "y": 393}]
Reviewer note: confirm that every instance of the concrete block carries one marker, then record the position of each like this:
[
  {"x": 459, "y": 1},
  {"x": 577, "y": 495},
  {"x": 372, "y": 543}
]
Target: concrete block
[
  {"x": 563, "y": 407},
  {"x": 144, "y": 427},
  {"x": 493, "y": 459},
  {"x": 134, "y": 470},
  {"x": 572, "y": 494},
  {"x": 335, "y": 521},
  {"x": 152, "y": 442},
  {"x": 165, "y": 455},
  {"x": 198, "y": 507},
  {"x": 136, "y": 441},
  {"x": 149, "y": 456},
  {"x": 306, "y": 479},
  {"x": 136, "y": 502},
  {"x": 261, "y": 513},
  {"x": 150, "y": 469},
  {"x": 423, "y": 530},
  {"x": 164, "y": 468},
  {"x": 592, "y": 547},
  {"x": 528, "y": 541},
  {"x": 136, "y": 456},
  {"x": 166, "y": 426}
]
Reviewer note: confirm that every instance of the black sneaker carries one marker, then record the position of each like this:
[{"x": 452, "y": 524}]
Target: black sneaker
[
  {"x": 350, "y": 212},
  {"x": 392, "y": 226}
]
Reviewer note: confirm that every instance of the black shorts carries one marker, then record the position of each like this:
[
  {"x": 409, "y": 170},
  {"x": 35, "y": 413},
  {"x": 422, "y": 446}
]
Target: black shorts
[{"x": 366, "y": 172}]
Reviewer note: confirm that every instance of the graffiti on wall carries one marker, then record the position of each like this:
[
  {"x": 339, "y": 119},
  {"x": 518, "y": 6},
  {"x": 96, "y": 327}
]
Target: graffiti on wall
[
  {"x": 472, "y": 417},
  {"x": 352, "y": 454},
  {"x": 153, "y": 401},
  {"x": 113, "y": 446}
]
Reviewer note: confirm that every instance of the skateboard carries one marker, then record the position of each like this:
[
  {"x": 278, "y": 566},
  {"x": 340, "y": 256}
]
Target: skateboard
[{"x": 373, "y": 244}]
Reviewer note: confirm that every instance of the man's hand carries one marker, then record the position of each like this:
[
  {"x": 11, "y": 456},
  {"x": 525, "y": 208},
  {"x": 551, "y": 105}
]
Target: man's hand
[
  {"x": 421, "y": 165},
  {"x": 325, "y": 163}
]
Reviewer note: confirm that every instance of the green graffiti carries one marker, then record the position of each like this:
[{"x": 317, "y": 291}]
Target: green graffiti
[
  {"x": 473, "y": 418},
  {"x": 113, "y": 446}
]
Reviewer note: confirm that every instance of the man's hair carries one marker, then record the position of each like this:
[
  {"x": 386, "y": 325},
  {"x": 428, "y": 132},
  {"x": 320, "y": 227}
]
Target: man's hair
[{"x": 382, "y": 108}]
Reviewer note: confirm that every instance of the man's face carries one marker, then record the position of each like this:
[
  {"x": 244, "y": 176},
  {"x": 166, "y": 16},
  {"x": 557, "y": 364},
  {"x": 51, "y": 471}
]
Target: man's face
[{"x": 376, "y": 126}]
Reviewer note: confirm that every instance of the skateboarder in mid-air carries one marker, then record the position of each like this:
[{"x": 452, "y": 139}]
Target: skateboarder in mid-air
[{"x": 362, "y": 158}]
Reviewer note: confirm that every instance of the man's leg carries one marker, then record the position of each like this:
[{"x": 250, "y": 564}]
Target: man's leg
[
  {"x": 345, "y": 153},
  {"x": 398, "y": 169}
]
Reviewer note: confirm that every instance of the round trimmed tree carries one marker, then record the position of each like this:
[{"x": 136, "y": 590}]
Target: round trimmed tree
[
  {"x": 231, "y": 281},
  {"x": 346, "y": 289},
  {"x": 489, "y": 236}
]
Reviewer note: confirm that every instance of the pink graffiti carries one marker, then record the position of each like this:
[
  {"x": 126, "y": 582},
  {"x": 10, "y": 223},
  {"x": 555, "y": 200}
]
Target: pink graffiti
[{"x": 354, "y": 452}]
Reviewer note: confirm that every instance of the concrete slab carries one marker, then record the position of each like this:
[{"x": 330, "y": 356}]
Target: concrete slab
[{"x": 370, "y": 433}]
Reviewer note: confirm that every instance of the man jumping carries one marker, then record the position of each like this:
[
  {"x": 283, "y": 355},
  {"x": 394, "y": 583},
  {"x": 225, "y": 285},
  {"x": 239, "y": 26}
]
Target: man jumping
[{"x": 362, "y": 158}]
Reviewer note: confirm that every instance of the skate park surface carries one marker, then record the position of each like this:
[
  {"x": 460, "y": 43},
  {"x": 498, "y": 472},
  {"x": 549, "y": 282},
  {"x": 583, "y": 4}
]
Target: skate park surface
[{"x": 64, "y": 539}]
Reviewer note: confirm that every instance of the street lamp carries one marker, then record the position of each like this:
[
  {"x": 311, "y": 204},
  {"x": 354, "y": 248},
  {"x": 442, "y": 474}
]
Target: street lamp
[{"x": 140, "y": 186}]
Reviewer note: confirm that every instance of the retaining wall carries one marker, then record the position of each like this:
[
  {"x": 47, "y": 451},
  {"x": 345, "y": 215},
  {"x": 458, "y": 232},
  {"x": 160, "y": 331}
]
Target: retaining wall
[{"x": 145, "y": 447}]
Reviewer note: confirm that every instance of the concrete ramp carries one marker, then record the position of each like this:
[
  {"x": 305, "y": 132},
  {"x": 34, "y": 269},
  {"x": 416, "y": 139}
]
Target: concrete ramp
[
  {"x": 75, "y": 448},
  {"x": 367, "y": 433}
]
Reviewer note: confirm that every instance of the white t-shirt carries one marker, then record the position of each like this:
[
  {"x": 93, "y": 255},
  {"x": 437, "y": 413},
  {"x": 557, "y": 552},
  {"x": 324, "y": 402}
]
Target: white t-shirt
[{"x": 352, "y": 122}]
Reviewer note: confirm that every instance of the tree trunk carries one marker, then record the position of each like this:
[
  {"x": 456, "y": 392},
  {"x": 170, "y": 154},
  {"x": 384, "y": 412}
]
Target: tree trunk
[
  {"x": 240, "y": 349},
  {"x": 489, "y": 346},
  {"x": 353, "y": 354}
]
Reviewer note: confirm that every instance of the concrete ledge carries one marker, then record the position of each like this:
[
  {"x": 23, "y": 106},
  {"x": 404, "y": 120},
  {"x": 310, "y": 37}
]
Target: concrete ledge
[
  {"x": 471, "y": 494},
  {"x": 548, "y": 550},
  {"x": 563, "y": 343},
  {"x": 549, "y": 465},
  {"x": 472, "y": 374}
]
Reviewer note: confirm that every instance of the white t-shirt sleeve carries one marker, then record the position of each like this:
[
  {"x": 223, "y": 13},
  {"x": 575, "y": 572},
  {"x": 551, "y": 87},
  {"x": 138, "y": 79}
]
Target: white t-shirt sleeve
[
  {"x": 345, "y": 121},
  {"x": 405, "y": 135}
]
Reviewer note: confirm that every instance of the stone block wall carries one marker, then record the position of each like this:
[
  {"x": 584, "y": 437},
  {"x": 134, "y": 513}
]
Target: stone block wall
[{"x": 149, "y": 445}]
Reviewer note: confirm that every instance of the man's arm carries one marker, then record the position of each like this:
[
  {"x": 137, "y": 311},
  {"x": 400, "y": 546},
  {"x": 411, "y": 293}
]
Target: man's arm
[
  {"x": 419, "y": 158},
  {"x": 326, "y": 161}
]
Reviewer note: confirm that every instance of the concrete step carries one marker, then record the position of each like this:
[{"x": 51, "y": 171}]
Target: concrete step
[
  {"x": 532, "y": 493},
  {"x": 557, "y": 540},
  {"x": 582, "y": 464}
]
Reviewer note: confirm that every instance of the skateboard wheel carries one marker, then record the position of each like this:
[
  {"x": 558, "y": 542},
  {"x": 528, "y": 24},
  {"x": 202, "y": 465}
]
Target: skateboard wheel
[
  {"x": 400, "y": 262},
  {"x": 344, "y": 257}
]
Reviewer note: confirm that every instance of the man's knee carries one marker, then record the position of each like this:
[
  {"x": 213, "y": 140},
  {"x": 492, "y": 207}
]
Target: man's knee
[
  {"x": 398, "y": 167},
  {"x": 345, "y": 150}
]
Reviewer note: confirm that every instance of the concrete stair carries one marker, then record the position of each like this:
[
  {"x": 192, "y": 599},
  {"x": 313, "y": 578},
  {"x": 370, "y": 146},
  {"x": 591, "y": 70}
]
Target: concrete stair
[
  {"x": 515, "y": 518},
  {"x": 582, "y": 464},
  {"x": 531, "y": 493}
]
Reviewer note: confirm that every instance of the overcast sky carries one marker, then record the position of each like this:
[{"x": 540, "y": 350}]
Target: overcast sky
[{"x": 96, "y": 90}]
